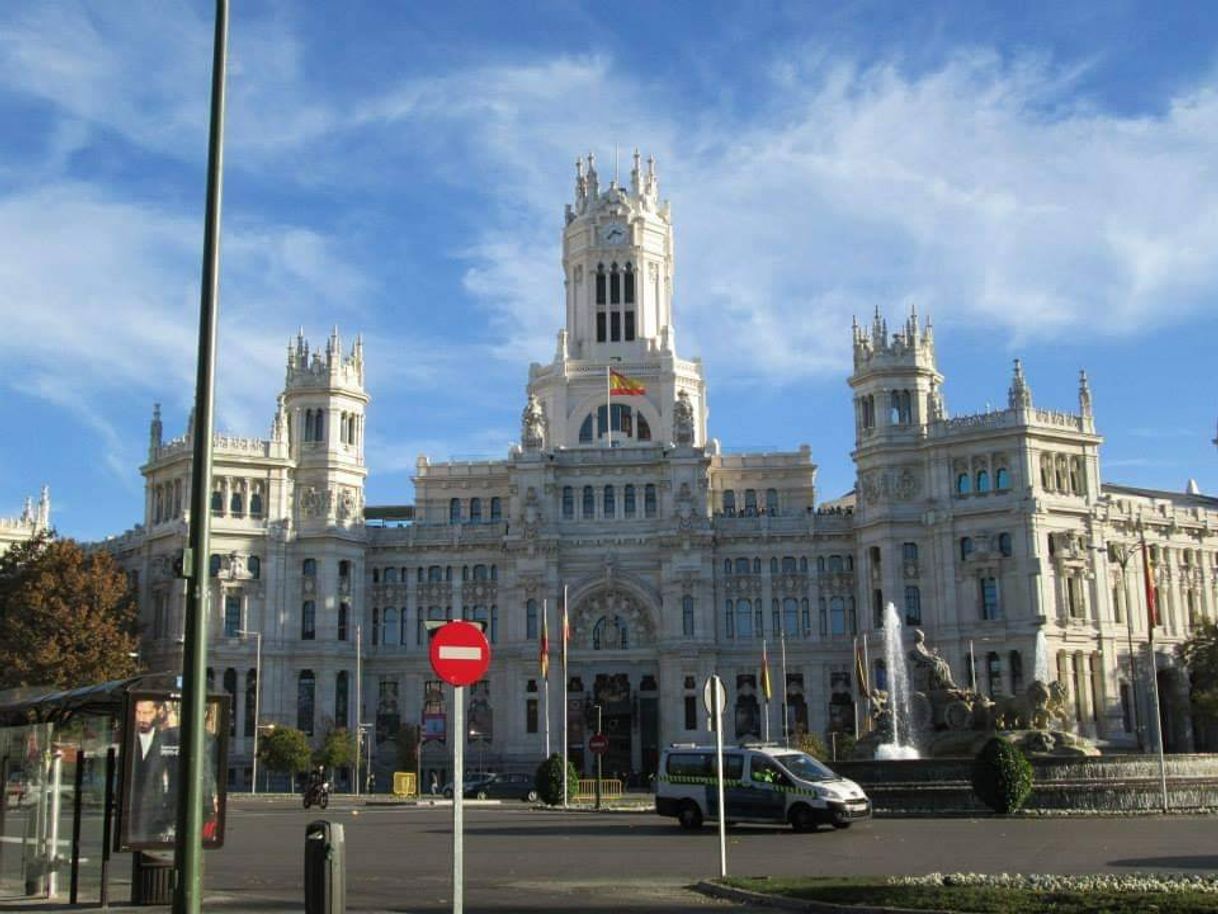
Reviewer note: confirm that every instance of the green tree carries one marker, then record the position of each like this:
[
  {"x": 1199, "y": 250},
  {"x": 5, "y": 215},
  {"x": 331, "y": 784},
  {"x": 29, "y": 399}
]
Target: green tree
[
  {"x": 549, "y": 780},
  {"x": 406, "y": 747},
  {"x": 285, "y": 749},
  {"x": 810, "y": 743},
  {"x": 337, "y": 749},
  {"x": 67, "y": 616},
  {"x": 1200, "y": 656}
]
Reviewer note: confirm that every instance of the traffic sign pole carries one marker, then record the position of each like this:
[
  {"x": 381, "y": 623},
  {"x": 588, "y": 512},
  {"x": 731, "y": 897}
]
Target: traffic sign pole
[
  {"x": 714, "y": 696},
  {"x": 458, "y": 798}
]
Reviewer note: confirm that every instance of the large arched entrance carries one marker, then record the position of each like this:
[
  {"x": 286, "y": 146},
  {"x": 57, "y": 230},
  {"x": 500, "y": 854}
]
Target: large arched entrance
[{"x": 612, "y": 680}]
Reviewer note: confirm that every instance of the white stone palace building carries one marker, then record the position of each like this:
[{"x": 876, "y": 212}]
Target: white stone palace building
[{"x": 678, "y": 558}]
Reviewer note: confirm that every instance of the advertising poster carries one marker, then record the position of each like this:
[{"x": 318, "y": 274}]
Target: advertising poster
[
  {"x": 148, "y": 789},
  {"x": 434, "y": 726}
]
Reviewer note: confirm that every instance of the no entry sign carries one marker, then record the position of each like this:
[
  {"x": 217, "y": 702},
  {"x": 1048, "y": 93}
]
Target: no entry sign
[
  {"x": 459, "y": 653},
  {"x": 599, "y": 743}
]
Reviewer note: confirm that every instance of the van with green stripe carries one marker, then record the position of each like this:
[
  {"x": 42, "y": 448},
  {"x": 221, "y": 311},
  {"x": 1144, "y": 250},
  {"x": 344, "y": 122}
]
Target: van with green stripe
[{"x": 761, "y": 783}]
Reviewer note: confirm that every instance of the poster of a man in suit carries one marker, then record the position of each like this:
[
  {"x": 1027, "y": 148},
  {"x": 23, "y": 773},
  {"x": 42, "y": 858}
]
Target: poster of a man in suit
[{"x": 149, "y": 789}]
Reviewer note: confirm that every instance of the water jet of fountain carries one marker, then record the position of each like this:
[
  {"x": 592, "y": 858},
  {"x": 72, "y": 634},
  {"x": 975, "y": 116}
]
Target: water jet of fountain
[
  {"x": 1041, "y": 670},
  {"x": 899, "y": 703}
]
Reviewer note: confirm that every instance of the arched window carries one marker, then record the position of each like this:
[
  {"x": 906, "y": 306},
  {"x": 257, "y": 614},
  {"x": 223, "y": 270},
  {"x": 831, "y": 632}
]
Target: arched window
[
  {"x": 744, "y": 619},
  {"x": 308, "y": 568},
  {"x": 232, "y": 615},
  {"x": 236, "y": 502},
  {"x": 530, "y": 620},
  {"x": 585, "y": 430},
  {"x": 391, "y": 626},
  {"x": 344, "y": 615},
  {"x": 771, "y": 501},
  {"x": 601, "y": 297},
  {"x": 835, "y": 564},
  {"x": 989, "y": 599},
  {"x": 837, "y": 616},
  {"x": 479, "y": 572},
  {"x": 341, "y": 691},
  {"x": 493, "y": 634},
  {"x": 609, "y": 634},
  {"x": 319, "y": 425},
  {"x": 993, "y": 671},
  {"x": 479, "y": 615},
  {"x": 729, "y": 502},
  {"x": 475, "y": 510},
  {"x": 306, "y": 690},
  {"x": 687, "y": 616},
  {"x": 913, "y": 606},
  {"x": 308, "y": 621},
  {"x": 251, "y": 701},
  {"x": 756, "y": 566},
  {"x": 391, "y": 576},
  {"x": 966, "y": 547},
  {"x": 894, "y": 408},
  {"x": 568, "y": 503},
  {"x": 1046, "y": 472},
  {"x": 230, "y": 687},
  {"x": 589, "y": 506},
  {"x": 643, "y": 433},
  {"x": 1002, "y": 479},
  {"x": 750, "y": 502},
  {"x": 805, "y": 617},
  {"x": 803, "y": 564},
  {"x": 609, "y": 502},
  {"x": 1016, "y": 664},
  {"x": 213, "y": 565},
  {"x": 729, "y": 620},
  {"x": 308, "y": 425},
  {"x": 254, "y": 566},
  {"x": 496, "y": 509},
  {"x": 983, "y": 481},
  {"x": 375, "y": 631},
  {"x": 454, "y": 510},
  {"x": 649, "y": 500},
  {"x": 1076, "y": 476},
  {"x": 217, "y": 502},
  {"x": 820, "y": 564},
  {"x": 963, "y": 484},
  {"x": 1004, "y": 544},
  {"x": 628, "y": 500},
  {"x": 774, "y": 566}
]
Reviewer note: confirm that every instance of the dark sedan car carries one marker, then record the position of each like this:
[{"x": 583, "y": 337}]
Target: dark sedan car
[{"x": 499, "y": 787}]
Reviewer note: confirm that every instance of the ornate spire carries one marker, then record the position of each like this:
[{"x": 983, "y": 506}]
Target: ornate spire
[
  {"x": 155, "y": 430},
  {"x": 1020, "y": 395},
  {"x": 1084, "y": 395},
  {"x": 44, "y": 509}
]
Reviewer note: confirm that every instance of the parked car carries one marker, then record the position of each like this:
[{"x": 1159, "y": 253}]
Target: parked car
[
  {"x": 505, "y": 787},
  {"x": 473, "y": 780}
]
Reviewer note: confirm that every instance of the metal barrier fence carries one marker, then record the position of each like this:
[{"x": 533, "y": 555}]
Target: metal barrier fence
[{"x": 611, "y": 788}]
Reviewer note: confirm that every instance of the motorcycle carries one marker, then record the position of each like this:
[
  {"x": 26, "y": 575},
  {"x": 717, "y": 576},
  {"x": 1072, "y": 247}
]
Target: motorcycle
[{"x": 317, "y": 793}]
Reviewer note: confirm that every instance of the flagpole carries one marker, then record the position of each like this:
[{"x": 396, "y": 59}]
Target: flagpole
[
  {"x": 1152, "y": 616},
  {"x": 545, "y": 675},
  {"x": 608, "y": 409},
  {"x": 858, "y": 686},
  {"x": 786, "y": 733},
  {"x": 765, "y": 672},
  {"x": 565, "y": 710},
  {"x": 866, "y": 682}
]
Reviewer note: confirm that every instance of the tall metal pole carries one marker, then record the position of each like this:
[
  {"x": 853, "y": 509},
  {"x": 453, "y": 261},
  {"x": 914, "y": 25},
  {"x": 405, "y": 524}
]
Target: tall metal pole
[
  {"x": 188, "y": 842},
  {"x": 599, "y": 756},
  {"x": 786, "y": 735},
  {"x": 1121, "y": 552},
  {"x": 458, "y": 799},
  {"x": 359, "y": 704},
  {"x": 565, "y": 711}
]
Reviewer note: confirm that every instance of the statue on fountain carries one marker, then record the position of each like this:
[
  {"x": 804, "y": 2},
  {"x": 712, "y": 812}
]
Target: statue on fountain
[{"x": 949, "y": 720}]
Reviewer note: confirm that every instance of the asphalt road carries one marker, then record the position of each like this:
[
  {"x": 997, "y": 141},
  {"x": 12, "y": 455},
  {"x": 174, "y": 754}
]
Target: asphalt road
[{"x": 522, "y": 859}]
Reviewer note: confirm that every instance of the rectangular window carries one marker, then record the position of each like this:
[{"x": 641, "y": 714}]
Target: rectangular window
[
  {"x": 600, "y": 326},
  {"x": 530, "y": 715},
  {"x": 629, "y": 326},
  {"x": 232, "y": 615},
  {"x": 913, "y": 606},
  {"x": 990, "y": 609},
  {"x": 615, "y": 326},
  {"x": 691, "y": 712},
  {"x": 649, "y": 500},
  {"x": 909, "y": 553}
]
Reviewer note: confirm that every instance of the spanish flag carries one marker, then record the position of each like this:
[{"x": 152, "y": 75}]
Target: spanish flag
[
  {"x": 1148, "y": 580},
  {"x": 622, "y": 386},
  {"x": 765, "y": 673},
  {"x": 543, "y": 659}
]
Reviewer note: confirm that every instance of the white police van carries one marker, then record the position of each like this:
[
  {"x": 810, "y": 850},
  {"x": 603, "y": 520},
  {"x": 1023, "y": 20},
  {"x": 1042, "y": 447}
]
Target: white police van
[{"x": 761, "y": 783}]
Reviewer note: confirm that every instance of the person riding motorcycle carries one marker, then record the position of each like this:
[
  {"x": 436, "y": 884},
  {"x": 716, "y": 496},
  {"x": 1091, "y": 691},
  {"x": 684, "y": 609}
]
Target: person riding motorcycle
[{"x": 317, "y": 790}]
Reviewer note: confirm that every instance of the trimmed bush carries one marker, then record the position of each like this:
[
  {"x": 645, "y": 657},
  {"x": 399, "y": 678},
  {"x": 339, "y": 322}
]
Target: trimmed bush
[
  {"x": 549, "y": 780},
  {"x": 1002, "y": 776}
]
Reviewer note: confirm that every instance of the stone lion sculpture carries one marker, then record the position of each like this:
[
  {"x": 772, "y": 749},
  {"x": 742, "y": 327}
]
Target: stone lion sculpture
[{"x": 1035, "y": 709}]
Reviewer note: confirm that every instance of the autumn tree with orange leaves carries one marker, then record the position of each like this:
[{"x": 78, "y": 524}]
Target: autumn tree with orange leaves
[{"x": 67, "y": 616}]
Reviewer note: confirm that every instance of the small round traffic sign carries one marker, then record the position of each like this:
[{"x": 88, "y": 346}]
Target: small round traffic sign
[
  {"x": 598, "y": 744},
  {"x": 459, "y": 653}
]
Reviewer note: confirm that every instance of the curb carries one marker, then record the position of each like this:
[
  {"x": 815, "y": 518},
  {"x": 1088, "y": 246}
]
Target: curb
[{"x": 744, "y": 896}]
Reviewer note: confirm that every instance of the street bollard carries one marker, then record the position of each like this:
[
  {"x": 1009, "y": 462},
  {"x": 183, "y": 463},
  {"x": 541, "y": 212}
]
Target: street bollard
[{"x": 325, "y": 868}]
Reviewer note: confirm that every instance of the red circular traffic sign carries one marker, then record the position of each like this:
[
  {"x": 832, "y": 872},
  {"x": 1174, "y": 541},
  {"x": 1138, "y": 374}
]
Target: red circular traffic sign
[
  {"x": 459, "y": 653},
  {"x": 599, "y": 743}
]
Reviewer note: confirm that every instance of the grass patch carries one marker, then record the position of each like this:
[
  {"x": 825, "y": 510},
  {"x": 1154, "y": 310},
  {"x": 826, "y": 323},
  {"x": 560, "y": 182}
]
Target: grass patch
[{"x": 878, "y": 892}]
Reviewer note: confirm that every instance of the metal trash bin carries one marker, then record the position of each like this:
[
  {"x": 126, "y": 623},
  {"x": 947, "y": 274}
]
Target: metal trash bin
[
  {"x": 325, "y": 868},
  {"x": 151, "y": 878}
]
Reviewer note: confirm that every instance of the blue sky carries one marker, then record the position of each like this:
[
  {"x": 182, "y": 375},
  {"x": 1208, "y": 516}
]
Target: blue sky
[{"x": 1037, "y": 177}]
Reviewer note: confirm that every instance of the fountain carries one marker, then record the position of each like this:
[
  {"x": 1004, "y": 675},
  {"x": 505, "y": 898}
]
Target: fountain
[
  {"x": 1041, "y": 671},
  {"x": 901, "y": 744}
]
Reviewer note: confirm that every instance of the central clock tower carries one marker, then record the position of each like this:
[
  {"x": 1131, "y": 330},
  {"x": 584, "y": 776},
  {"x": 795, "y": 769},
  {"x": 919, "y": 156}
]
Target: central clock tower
[{"x": 618, "y": 267}]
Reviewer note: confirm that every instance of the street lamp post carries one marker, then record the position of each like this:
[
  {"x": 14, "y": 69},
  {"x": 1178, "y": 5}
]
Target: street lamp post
[
  {"x": 257, "y": 702},
  {"x": 1121, "y": 554}
]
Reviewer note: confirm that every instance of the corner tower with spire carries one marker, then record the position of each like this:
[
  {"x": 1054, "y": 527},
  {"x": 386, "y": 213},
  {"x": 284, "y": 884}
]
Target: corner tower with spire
[{"x": 618, "y": 269}]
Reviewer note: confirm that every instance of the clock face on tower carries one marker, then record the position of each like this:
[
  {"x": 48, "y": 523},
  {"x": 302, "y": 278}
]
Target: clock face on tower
[{"x": 613, "y": 233}]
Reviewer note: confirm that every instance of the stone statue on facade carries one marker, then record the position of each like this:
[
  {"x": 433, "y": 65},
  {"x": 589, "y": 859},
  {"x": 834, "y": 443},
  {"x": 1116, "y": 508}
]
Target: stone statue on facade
[
  {"x": 533, "y": 425},
  {"x": 683, "y": 420}
]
